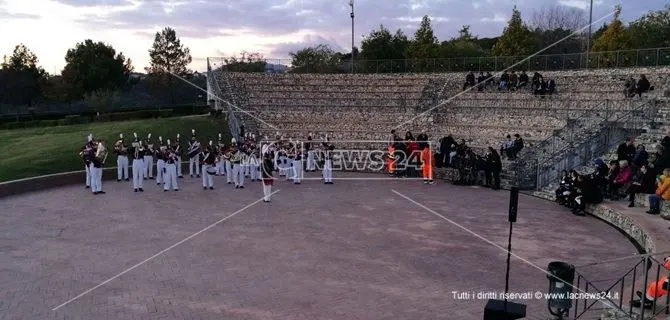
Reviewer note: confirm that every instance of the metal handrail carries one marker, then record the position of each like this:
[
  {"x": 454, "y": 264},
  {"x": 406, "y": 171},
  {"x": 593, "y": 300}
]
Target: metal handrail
[
  {"x": 650, "y": 275},
  {"x": 569, "y": 61},
  {"x": 596, "y": 131}
]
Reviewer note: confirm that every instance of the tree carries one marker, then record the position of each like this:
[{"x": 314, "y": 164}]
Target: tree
[
  {"x": 558, "y": 17},
  {"x": 23, "y": 80},
  {"x": 652, "y": 30},
  {"x": 245, "y": 62},
  {"x": 168, "y": 57},
  {"x": 516, "y": 40},
  {"x": 616, "y": 36},
  {"x": 101, "y": 100},
  {"x": 383, "y": 51},
  {"x": 92, "y": 66},
  {"x": 465, "y": 45},
  {"x": 423, "y": 47},
  {"x": 316, "y": 59}
]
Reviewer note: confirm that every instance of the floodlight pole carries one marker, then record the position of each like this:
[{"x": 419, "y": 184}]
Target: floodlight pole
[
  {"x": 588, "y": 40},
  {"x": 351, "y": 4}
]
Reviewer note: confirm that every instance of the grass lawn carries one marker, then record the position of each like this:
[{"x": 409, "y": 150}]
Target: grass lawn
[{"x": 39, "y": 151}]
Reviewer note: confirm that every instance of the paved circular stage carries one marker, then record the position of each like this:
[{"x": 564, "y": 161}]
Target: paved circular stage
[{"x": 357, "y": 249}]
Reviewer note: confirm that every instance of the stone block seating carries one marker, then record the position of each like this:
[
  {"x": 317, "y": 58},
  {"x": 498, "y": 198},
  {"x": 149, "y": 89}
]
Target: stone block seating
[{"x": 367, "y": 106}]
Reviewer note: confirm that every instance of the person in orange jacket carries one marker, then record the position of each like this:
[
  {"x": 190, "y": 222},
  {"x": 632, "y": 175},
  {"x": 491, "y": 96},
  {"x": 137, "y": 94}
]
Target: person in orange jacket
[
  {"x": 655, "y": 290},
  {"x": 390, "y": 160},
  {"x": 427, "y": 164},
  {"x": 662, "y": 193}
]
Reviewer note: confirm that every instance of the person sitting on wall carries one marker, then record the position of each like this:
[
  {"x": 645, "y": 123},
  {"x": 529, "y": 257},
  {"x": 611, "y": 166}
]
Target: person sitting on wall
[
  {"x": 644, "y": 182},
  {"x": 469, "y": 80},
  {"x": 662, "y": 193},
  {"x": 513, "y": 81},
  {"x": 517, "y": 145},
  {"x": 643, "y": 86},
  {"x": 626, "y": 150},
  {"x": 504, "y": 81},
  {"x": 551, "y": 86},
  {"x": 489, "y": 79},
  {"x": 481, "y": 79},
  {"x": 564, "y": 187},
  {"x": 507, "y": 148},
  {"x": 630, "y": 87},
  {"x": 585, "y": 192},
  {"x": 641, "y": 157},
  {"x": 623, "y": 178},
  {"x": 599, "y": 176},
  {"x": 523, "y": 80},
  {"x": 611, "y": 176},
  {"x": 661, "y": 160}
]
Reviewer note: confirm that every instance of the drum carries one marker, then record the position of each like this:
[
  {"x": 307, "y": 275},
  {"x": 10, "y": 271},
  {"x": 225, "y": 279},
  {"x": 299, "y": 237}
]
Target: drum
[
  {"x": 194, "y": 152},
  {"x": 211, "y": 170}
]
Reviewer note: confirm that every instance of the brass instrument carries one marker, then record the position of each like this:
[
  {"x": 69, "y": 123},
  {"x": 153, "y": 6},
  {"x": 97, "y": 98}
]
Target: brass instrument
[{"x": 101, "y": 153}]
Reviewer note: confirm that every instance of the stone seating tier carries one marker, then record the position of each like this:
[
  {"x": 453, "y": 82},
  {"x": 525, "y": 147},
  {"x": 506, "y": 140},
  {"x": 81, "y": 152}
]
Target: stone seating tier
[
  {"x": 288, "y": 81},
  {"x": 340, "y": 94},
  {"x": 357, "y": 101},
  {"x": 363, "y": 87}
]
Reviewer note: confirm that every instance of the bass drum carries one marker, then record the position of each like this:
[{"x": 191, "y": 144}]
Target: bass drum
[
  {"x": 194, "y": 152},
  {"x": 211, "y": 170}
]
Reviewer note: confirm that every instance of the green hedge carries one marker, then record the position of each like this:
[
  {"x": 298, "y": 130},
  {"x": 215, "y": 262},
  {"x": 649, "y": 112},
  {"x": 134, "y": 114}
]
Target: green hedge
[{"x": 116, "y": 116}]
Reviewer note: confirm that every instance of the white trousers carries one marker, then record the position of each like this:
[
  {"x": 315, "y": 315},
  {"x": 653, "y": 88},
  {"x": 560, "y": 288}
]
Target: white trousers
[
  {"x": 178, "y": 166},
  {"x": 255, "y": 172},
  {"x": 238, "y": 174},
  {"x": 311, "y": 162},
  {"x": 194, "y": 165},
  {"x": 283, "y": 166},
  {"x": 228, "y": 167},
  {"x": 170, "y": 177},
  {"x": 88, "y": 175},
  {"x": 138, "y": 173},
  {"x": 160, "y": 168},
  {"x": 267, "y": 191},
  {"x": 220, "y": 168},
  {"x": 96, "y": 178},
  {"x": 148, "y": 167},
  {"x": 246, "y": 168},
  {"x": 328, "y": 171},
  {"x": 297, "y": 171},
  {"x": 207, "y": 179},
  {"x": 121, "y": 167}
]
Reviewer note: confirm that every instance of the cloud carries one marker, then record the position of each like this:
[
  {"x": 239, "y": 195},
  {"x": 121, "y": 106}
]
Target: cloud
[
  {"x": 282, "y": 50},
  {"x": 580, "y": 4},
  {"x": 497, "y": 18},
  {"x": 4, "y": 15}
]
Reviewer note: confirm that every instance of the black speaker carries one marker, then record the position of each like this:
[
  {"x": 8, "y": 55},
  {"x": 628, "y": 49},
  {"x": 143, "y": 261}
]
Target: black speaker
[
  {"x": 495, "y": 310},
  {"x": 513, "y": 203}
]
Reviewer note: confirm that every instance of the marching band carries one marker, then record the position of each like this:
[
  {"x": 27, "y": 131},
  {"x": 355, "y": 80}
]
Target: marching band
[{"x": 236, "y": 161}]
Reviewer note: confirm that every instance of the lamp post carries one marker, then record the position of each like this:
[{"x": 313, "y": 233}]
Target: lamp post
[
  {"x": 351, "y": 4},
  {"x": 588, "y": 40}
]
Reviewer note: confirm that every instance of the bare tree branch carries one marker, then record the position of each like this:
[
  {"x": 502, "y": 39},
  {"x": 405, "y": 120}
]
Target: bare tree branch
[{"x": 558, "y": 17}]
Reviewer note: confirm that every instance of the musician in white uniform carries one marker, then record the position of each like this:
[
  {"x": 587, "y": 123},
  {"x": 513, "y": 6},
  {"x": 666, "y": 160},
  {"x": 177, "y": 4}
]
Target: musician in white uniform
[
  {"x": 220, "y": 165},
  {"x": 328, "y": 163},
  {"x": 149, "y": 158},
  {"x": 254, "y": 165},
  {"x": 208, "y": 166},
  {"x": 160, "y": 161},
  {"x": 121, "y": 151},
  {"x": 297, "y": 163},
  {"x": 171, "y": 161},
  {"x": 96, "y": 158},
  {"x": 86, "y": 150},
  {"x": 227, "y": 165},
  {"x": 311, "y": 159},
  {"x": 238, "y": 173},
  {"x": 177, "y": 150},
  {"x": 193, "y": 155},
  {"x": 137, "y": 151}
]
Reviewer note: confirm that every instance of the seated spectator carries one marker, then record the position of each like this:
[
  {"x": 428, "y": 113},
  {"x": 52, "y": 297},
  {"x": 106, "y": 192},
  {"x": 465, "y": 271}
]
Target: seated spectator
[
  {"x": 645, "y": 182},
  {"x": 507, "y": 148},
  {"x": 494, "y": 164},
  {"x": 643, "y": 86},
  {"x": 611, "y": 176},
  {"x": 665, "y": 142},
  {"x": 489, "y": 79},
  {"x": 517, "y": 145},
  {"x": 662, "y": 193},
  {"x": 570, "y": 195},
  {"x": 584, "y": 192},
  {"x": 641, "y": 157},
  {"x": 462, "y": 148},
  {"x": 535, "y": 82},
  {"x": 481, "y": 81},
  {"x": 630, "y": 87},
  {"x": 622, "y": 180},
  {"x": 661, "y": 160},
  {"x": 469, "y": 80},
  {"x": 599, "y": 177},
  {"x": 504, "y": 81},
  {"x": 523, "y": 80},
  {"x": 626, "y": 150},
  {"x": 564, "y": 187},
  {"x": 513, "y": 81},
  {"x": 551, "y": 87}
]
